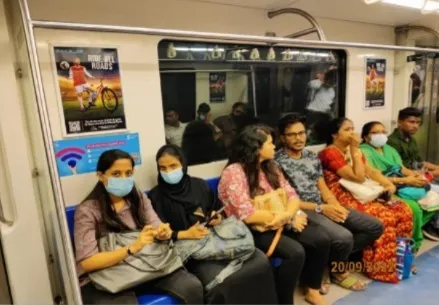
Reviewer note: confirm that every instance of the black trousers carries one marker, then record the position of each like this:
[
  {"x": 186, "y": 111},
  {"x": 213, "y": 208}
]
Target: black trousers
[
  {"x": 180, "y": 284},
  {"x": 308, "y": 250},
  {"x": 358, "y": 231}
]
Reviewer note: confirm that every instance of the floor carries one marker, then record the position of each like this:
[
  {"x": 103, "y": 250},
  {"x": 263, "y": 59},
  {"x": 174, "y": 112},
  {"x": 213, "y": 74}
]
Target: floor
[{"x": 337, "y": 293}]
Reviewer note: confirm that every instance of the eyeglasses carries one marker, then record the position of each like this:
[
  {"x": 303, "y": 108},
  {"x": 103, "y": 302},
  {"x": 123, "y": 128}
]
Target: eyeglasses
[{"x": 295, "y": 134}]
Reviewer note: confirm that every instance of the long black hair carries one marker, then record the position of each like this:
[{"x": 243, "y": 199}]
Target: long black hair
[
  {"x": 333, "y": 127},
  {"x": 245, "y": 151},
  {"x": 367, "y": 128},
  {"x": 100, "y": 194}
]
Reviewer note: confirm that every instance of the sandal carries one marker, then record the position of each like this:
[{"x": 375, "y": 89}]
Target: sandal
[
  {"x": 414, "y": 270},
  {"x": 349, "y": 283},
  {"x": 326, "y": 285}
]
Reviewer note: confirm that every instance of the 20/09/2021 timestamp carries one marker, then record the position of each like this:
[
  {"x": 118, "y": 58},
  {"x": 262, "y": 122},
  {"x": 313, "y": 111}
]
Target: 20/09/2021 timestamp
[{"x": 363, "y": 267}]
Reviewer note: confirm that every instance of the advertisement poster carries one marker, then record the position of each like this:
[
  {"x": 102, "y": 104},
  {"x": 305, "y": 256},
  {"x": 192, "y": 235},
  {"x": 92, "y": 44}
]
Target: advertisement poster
[
  {"x": 217, "y": 87},
  {"x": 80, "y": 156},
  {"x": 375, "y": 82},
  {"x": 90, "y": 89}
]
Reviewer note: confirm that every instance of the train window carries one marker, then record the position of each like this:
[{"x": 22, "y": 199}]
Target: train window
[{"x": 210, "y": 91}]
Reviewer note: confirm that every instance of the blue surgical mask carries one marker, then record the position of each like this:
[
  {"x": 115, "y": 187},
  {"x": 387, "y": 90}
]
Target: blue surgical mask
[
  {"x": 173, "y": 177},
  {"x": 120, "y": 187},
  {"x": 378, "y": 140}
]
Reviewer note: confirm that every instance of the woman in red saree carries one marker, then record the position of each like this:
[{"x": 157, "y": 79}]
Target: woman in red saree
[{"x": 342, "y": 158}]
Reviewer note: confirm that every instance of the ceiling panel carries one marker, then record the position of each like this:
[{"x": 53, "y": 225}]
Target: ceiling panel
[{"x": 352, "y": 10}]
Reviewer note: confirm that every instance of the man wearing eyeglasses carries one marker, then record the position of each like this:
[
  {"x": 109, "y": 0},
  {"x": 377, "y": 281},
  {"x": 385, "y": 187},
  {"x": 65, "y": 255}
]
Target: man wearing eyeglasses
[{"x": 349, "y": 230}]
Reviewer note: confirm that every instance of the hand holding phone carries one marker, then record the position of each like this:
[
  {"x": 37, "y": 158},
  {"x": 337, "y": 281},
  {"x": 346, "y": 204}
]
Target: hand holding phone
[{"x": 214, "y": 216}]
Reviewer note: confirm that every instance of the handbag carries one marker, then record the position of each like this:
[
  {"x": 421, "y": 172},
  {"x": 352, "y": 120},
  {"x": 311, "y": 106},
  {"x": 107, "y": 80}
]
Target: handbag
[
  {"x": 404, "y": 257},
  {"x": 406, "y": 191},
  {"x": 229, "y": 240},
  {"x": 276, "y": 202},
  {"x": 364, "y": 192},
  {"x": 154, "y": 261}
]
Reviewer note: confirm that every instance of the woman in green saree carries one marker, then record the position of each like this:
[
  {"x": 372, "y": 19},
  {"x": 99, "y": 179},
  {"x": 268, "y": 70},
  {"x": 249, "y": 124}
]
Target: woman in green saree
[{"x": 385, "y": 158}]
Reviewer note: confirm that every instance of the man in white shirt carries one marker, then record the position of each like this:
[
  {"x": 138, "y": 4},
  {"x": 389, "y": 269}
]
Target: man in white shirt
[
  {"x": 321, "y": 92},
  {"x": 321, "y": 98},
  {"x": 174, "y": 129}
]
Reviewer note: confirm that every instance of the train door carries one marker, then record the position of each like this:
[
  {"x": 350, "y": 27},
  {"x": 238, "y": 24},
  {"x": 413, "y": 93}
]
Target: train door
[
  {"x": 433, "y": 119},
  {"x": 5, "y": 294},
  {"x": 423, "y": 94}
]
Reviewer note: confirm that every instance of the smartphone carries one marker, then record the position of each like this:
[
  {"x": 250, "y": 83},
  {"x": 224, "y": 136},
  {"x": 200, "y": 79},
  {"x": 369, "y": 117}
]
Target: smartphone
[{"x": 210, "y": 217}]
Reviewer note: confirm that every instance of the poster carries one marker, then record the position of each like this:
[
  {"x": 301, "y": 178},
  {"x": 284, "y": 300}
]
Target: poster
[
  {"x": 375, "y": 82},
  {"x": 90, "y": 89},
  {"x": 217, "y": 87},
  {"x": 81, "y": 155}
]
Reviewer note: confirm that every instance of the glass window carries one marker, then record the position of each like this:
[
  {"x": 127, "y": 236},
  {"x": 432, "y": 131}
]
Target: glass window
[{"x": 210, "y": 91}]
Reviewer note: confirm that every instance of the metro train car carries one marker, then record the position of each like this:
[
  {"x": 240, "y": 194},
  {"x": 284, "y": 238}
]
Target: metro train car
[{"x": 136, "y": 75}]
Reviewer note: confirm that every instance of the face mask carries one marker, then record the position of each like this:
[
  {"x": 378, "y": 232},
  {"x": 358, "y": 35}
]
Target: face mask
[
  {"x": 173, "y": 177},
  {"x": 202, "y": 117},
  {"x": 120, "y": 187},
  {"x": 378, "y": 140}
]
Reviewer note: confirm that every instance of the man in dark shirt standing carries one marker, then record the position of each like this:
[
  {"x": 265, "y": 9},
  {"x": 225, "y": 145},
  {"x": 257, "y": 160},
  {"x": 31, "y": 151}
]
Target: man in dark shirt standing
[
  {"x": 349, "y": 230},
  {"x": 409, "y": 120}
]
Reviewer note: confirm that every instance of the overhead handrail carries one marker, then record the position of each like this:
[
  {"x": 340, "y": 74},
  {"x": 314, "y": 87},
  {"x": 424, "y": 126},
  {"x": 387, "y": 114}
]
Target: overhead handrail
[
  {"x": 404, "y": 28},
  {"x": 316, "y": 28}
]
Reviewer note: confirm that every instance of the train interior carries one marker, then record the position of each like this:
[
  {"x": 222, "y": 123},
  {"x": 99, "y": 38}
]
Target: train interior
[{"x": 147, "y": 58}]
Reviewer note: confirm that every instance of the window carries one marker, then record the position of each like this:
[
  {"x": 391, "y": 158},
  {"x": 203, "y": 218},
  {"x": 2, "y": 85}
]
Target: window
[{"x": 210, "y": 91}]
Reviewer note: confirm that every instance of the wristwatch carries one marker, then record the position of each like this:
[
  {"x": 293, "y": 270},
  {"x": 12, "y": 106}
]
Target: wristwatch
[
  {"x": 129, "y": 251},
  {"x": 319, "y": 209}
]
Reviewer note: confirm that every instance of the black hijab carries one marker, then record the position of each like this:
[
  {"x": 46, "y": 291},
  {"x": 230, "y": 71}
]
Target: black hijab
[{"x": 176, "y": 203}]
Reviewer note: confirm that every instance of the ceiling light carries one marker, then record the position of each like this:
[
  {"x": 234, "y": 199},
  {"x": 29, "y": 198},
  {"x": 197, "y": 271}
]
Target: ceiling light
[
  {"x": 426, "y": 6},
  {"x": 431, "y": 6}
]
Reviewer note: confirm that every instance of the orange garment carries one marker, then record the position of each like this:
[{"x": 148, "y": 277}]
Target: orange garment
[{"x": 379, "y": 259}]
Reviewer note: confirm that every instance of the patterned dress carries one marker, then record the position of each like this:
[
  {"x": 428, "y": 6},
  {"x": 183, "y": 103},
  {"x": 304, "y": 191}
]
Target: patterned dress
[{"x": 380, "y": 259}]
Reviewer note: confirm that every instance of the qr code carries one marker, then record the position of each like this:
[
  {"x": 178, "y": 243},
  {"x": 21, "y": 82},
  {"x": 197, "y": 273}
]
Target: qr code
[{"x": 75, "y": 126}]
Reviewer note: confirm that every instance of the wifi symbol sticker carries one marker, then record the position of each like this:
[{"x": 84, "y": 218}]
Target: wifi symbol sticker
[{"x": 71, "y": 156}]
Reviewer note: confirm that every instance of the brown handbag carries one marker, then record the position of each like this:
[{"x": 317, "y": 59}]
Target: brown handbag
[{"x": 275, "y": 202}]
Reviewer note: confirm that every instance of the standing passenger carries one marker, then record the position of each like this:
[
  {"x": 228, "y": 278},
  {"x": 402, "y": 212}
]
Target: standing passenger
[
  {"x": 174, "y": 129},
  {"x": 251, "y": 171}
]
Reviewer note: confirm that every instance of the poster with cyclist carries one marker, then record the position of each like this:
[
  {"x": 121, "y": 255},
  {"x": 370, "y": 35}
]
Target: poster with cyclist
[{"x": 90, "y": 89}]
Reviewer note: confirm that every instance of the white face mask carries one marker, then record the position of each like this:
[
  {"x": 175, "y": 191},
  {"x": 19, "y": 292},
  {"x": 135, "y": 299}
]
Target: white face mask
[{"x": 378, "y": 140}]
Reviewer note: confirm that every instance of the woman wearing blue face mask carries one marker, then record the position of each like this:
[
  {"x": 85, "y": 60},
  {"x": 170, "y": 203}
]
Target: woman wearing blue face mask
[
  {"x": 116, "y": 205},
  {"x": 386, "y": 159},
  {"x": 184, "y": 202}
]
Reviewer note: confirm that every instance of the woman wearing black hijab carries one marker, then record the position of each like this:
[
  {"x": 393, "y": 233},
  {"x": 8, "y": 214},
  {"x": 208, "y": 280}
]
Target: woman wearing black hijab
[{"x": 184, "y": 202}]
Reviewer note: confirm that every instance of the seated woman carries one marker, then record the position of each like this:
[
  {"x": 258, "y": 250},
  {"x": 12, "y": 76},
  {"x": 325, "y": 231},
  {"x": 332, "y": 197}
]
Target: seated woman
[
  {"x": 116, "y": 205},
  {"x": 385, "y": 158},
  {"x": 342, "y": 158},
  {"x": 184, "y": 202},
  {"x": 251, "y": 172}
]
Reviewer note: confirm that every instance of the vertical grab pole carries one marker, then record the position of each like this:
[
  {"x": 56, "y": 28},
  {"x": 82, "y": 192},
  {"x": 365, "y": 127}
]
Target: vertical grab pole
[{"x": 48, "y": 143}]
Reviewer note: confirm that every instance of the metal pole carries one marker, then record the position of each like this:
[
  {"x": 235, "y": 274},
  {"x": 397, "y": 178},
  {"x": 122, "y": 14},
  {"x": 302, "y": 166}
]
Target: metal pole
[
  {"x": 203, "y": 71},
  {"x": 48, "y": 143},
  {"x": 221, "y": 36},
  {"x": 290, "y": 10}
]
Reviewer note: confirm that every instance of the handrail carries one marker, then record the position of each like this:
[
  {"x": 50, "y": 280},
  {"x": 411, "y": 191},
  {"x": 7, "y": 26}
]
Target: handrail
[
  {"x": 416, "y": 28},
  {"x": 219, "y": 36},
  {"x": 316, "y": 28}
]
